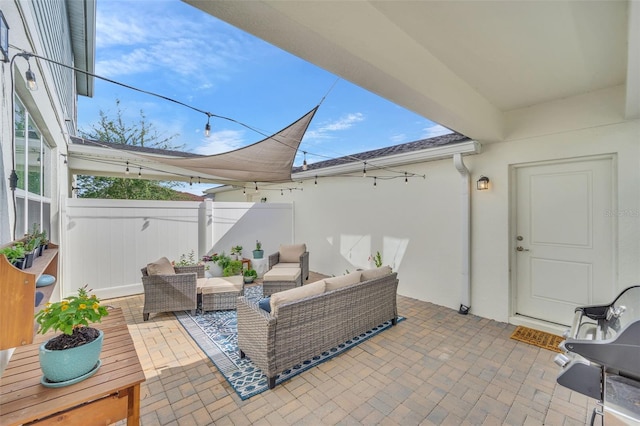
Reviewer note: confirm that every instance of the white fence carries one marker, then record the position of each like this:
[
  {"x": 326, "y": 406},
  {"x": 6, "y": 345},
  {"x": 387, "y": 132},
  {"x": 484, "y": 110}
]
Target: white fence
[{"x": 105, "y": 243}]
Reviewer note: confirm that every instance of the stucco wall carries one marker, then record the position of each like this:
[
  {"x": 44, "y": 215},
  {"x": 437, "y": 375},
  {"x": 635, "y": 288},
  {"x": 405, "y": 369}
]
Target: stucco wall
[{"x": 416, "y": 225}]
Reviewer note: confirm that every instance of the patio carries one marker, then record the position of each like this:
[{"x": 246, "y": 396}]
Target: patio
[{"x": 437, "y": 367}]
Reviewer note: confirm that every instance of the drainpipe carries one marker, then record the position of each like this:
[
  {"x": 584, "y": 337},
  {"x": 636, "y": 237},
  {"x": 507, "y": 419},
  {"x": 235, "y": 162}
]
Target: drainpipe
[{"x": 465, "y": 227}]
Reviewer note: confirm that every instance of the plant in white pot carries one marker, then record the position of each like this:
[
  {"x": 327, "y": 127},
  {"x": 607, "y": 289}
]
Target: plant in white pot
[{"x": 75, "y": 354}]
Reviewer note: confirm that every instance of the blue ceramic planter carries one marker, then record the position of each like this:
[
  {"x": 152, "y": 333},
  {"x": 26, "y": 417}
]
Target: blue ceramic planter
[{"x": 69, "y": 364}]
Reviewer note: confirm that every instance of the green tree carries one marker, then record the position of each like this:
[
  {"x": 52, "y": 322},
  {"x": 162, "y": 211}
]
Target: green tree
[{"x": 143, "y": 133}]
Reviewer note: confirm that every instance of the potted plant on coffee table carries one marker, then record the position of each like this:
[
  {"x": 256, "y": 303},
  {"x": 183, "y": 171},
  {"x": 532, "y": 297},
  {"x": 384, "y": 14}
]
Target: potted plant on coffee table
[{"x": 73, "y": 355}]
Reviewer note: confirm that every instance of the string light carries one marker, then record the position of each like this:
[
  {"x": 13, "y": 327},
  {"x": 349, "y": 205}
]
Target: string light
[
  {"x": 406, "y": 180},
  {"x": 316, "y": 181},
  {"x": 126, "y": 171},
  {"x": 140, "y": 173},
  {"x": 191, "y": 181},
  {"x": 375, "y": 181},
  {"x": 31, "y": 80},
  {"x": 207, "y": 127},
  {"x": 256, "y": 183},
  {"x": 244, "y": 191}
]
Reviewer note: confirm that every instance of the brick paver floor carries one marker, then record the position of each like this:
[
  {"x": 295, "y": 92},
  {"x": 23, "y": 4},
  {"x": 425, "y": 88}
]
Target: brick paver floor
[{"x": 435, "y": 368}]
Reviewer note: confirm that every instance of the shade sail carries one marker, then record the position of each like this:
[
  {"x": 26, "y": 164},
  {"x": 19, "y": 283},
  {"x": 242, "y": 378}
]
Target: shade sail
[{"x": 269, "y": 160}]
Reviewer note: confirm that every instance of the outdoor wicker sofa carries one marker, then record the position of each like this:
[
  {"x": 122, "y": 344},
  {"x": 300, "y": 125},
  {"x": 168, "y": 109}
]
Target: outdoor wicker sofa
[
  {"x": 170, "y": 292},
  {"x": 294, "y": 331}
]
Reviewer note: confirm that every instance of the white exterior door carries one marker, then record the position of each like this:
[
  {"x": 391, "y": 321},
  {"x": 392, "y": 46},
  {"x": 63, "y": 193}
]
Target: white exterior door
[{"x": 563, "y": 242}]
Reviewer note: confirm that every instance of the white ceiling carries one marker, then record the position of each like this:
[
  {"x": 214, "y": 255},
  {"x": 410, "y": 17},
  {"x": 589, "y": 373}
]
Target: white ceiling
[{"x": 463, "y": 64}]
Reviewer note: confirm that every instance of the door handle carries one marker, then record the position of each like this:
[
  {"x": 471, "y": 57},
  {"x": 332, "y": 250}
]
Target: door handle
[{"x": 520, "y": 248}]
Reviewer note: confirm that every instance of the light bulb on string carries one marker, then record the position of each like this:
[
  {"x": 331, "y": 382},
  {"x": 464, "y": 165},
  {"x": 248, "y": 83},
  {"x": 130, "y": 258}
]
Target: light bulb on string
[
  {"x": 140, "y": 173},
  {"x": 126, "y": 171},
  {"x": 191, "y": 181},
  {"x": 207, "y": 127},
  {"x": 304, "y": 163},
  {"x": 406, "y": 180},
  {"x": 364, "y": 170},
  {"x": 375, "y": 181},
  {"x": 256, "y": 183},
  {"x": 316, "y": 181}
]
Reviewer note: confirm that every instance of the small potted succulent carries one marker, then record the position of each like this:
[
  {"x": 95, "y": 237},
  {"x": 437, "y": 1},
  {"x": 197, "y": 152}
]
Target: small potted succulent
[
  {"x": 250, "y": 275},
  {"x": 73, "y": 355},
  {"x": 258, "y": 252}
]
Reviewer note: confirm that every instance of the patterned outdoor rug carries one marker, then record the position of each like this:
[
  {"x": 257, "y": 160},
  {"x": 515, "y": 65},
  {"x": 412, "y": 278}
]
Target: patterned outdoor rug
[
  {"x": 537, "y": 338},
  {"x": 216, "y": 334}
]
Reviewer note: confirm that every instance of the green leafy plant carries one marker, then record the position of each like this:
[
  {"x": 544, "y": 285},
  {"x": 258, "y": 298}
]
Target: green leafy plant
[
  {"x": 13, "y": 252},
  {"x": 377, "y": 259},
  {"x": 258, "y": 245},
  {"x": 250, "y": 273},
  {"x": 187, "y": 259},
  {"x": 233, "y": 268},
  {"x": 236, "y": 250},
  {"x": 71, "y": 313},
  {"x": 223, "y": 260}
]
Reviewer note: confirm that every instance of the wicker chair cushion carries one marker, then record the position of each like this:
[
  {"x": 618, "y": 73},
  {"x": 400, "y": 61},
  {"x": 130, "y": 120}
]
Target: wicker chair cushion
[
  {"x": 161, "y": 266},
  {"x": 370, "y": 274},
  {"x": 342, "y": 280},
  {"x": 291, "y": 253},
  {"x": 295, "y": 293},
  {"x": 287, "y": 265},
  {"x": 282, "y": 274},
  {"x": 220, "y": 285}
]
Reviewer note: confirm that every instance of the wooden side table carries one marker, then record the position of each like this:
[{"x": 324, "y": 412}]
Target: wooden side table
[
  {"x": 247, "y": 262},
  {"x": 111, "y": 394}
]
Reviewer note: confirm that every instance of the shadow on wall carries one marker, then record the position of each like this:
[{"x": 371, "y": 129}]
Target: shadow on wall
[{"x": 359, "y": 251}]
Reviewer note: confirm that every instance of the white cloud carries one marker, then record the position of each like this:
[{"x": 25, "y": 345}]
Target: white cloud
[
  {"x": 220, "y": 141},
  {"x": 343, "y": 123},
  {"x": 172, "y": 37},
  {"x": 435, "y": 130},
  {"x": 398, "y": 138}
]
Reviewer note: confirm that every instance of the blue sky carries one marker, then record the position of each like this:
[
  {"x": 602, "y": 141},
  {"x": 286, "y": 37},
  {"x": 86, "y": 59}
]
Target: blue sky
[{"x": 170, "y": 48}]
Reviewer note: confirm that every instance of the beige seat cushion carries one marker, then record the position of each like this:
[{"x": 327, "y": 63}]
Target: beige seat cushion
[
  {"x": 291, "y": 253},
  {"x": 214, "y": 285},
  {"x": 161, "y": 266},
  {"x": 334, "y": 283},
  {"x": 282, "y": 274},
  {"x": 371, "y": 274},
  {"x": 287, "y": 265},
  {"x": 295, "y": 293}
]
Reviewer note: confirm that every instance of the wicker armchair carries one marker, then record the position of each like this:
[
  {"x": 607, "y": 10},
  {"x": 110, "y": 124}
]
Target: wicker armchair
[
  {"x": 168, "y": 293},
  {"x": 287, "y": 261}
]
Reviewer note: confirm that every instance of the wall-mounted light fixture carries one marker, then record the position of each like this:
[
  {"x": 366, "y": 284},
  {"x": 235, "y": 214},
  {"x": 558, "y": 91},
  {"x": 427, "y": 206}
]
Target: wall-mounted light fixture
[{"x": 483, "y": 183}]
